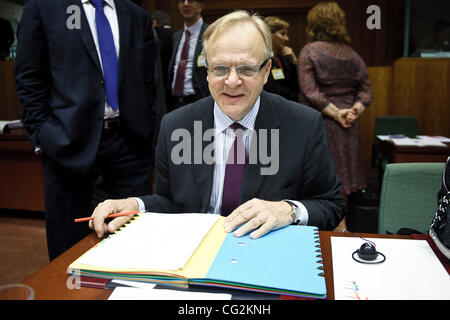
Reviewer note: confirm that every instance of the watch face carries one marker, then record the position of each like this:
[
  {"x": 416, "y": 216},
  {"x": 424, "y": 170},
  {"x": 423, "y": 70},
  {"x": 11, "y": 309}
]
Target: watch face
[{"x": 296, "y": 215}]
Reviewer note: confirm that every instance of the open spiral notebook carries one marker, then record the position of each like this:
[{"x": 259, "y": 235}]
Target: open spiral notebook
[{"x": 194, "y": 249}]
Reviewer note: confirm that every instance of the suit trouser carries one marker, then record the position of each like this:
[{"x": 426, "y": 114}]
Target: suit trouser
[{"x": 125, "y": 167}]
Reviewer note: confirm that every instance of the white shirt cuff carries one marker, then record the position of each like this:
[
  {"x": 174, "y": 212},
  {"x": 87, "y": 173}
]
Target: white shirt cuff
[{"x": 140, "y": 203}]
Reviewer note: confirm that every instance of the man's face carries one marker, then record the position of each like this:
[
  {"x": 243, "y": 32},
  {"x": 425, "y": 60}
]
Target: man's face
[
  {"x": 239, "y": 45},
  {"x": 190, "y": 10}
]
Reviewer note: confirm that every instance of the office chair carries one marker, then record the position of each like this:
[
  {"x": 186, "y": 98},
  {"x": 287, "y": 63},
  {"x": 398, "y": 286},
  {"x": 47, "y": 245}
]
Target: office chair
[{"x": 408, "y": 196}]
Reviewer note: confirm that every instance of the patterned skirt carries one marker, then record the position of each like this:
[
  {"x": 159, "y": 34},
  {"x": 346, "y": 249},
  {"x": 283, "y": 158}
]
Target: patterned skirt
[{"x": 345, "y": 146}]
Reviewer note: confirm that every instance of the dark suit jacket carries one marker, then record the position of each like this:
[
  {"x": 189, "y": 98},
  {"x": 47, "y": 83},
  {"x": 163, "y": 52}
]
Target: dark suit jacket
[
  {"x": 199, "y": 73},
  {"x": 60, "y": 81},
  {"x": 165, "y": 35},
  {"x": 287, "y": 87},
  {"x": 306, "y": 172}
]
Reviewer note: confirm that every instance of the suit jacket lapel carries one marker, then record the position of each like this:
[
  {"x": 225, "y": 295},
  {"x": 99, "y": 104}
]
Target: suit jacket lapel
[
  {"x": 203, "y": 172},
  {"x": 198, "y": 46},
  {"x": 266, "y": 119},
  {"x": 175, "y": 43},
  {"x": 85, "y": 33},
  {"x": 124, "y": 21}
]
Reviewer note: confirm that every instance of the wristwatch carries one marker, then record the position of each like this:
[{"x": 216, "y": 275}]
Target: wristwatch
[
  {"x": 295, "y": 213},
  {"x": 37, "y": 150}
]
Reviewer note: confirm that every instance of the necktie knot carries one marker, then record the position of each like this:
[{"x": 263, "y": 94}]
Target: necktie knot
[
  {"x": 236, "y": 125},
  {"x": 98, "y": 4}
]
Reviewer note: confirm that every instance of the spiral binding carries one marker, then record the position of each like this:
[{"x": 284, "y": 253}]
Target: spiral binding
[
  {"x": 319, "y": 251},
  {"x": 134, "y": 218}
]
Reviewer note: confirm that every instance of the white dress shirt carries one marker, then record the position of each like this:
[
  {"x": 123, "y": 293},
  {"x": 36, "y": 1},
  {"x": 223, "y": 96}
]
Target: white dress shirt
[
  {"x": 110, "y": 12},
  {"x": 195, "y": 32},
  {"x": 223, "y": 140}
]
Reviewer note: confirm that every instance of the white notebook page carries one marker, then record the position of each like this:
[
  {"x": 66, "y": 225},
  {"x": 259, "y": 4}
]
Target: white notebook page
[{"x": 152, "y": 241}]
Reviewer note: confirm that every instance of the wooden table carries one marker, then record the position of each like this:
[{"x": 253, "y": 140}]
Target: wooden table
[
  {"x": 397, "y": 154},
  {"x": 50, "y": 283}
]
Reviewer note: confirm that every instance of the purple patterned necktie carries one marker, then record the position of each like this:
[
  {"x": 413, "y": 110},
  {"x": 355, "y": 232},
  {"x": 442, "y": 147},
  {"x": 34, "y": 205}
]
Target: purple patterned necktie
[
  {"x": 234, "y": 172},
  {"x": 108, "y": 54},
  {"x": 178, "y": 87}
]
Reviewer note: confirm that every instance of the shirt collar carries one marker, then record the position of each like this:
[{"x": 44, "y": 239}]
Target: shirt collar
[
  {"x": 195, "y": 28},
  {"x": 108, "y": 2},
  {"x": 222, "y": 121}
]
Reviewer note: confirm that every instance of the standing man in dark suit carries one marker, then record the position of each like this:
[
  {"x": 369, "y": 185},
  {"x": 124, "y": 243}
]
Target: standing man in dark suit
[
  {"x": 187, "y": 72},
  {"x": 162, "y": 25},
  {"x": 297, "y": 186},
  {"x": 84, "y": 72}
]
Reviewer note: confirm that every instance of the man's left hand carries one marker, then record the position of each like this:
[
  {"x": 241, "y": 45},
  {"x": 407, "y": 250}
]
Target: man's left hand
[{"x": 259, "y": 216}]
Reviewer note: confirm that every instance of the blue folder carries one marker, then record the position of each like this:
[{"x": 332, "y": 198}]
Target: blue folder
[{"x": 286, "y": 261}]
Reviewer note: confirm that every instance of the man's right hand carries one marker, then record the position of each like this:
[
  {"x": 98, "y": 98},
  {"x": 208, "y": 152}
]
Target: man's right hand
[{"x": 107, "y": 207}]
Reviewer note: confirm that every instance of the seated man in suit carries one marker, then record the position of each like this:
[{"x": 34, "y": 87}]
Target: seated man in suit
[{"x": 302, "y": 186}]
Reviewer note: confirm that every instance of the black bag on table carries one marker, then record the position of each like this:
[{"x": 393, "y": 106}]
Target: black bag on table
[{"x": 440, "y": 227}]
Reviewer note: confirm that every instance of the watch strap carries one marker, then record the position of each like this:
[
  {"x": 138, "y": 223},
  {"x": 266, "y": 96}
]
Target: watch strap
[{"x": 295, "y": 213}]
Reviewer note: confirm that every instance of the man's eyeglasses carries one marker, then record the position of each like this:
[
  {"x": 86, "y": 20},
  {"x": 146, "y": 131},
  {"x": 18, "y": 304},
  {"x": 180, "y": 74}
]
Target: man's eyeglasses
[{"x": 244, "y": 71}]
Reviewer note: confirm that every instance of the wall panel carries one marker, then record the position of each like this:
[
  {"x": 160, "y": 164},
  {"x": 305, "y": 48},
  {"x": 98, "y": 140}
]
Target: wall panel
[
  {"x": 9, "y": 101},
  {"x": 381, "y": 81},
  {"x": 374, "y": 46},
  {"x": 421, "y": 89},
  {"x": 414, "y": 87}
]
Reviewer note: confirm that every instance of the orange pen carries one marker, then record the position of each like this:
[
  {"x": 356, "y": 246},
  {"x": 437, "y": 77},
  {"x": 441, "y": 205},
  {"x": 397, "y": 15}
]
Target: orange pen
[{"x": 112, "y": 215}]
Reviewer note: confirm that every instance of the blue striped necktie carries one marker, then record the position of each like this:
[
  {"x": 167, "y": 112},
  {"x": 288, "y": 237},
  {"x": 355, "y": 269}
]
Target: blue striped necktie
[{"x": 108, "y": 54}]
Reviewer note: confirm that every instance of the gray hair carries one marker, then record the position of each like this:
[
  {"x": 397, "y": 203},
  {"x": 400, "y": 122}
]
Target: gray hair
[{"x": 236, "y": 17}]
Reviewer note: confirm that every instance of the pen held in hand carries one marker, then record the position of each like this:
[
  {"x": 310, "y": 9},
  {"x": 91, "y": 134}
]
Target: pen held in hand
[{"x": 112, "y": 215}]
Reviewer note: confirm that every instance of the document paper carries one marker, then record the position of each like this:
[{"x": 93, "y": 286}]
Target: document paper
[
  {"x": 418, "y": 142},
  {"x": 130, "y": 293},
  {"x": 411, "y": 271},
  {"x": 158, "y": 241}
]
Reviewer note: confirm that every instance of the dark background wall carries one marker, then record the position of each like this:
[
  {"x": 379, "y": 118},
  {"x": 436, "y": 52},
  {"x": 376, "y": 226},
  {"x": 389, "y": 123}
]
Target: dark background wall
[
  {"x": 417, "y": 87},
  {"x": 377, "y": 47}
]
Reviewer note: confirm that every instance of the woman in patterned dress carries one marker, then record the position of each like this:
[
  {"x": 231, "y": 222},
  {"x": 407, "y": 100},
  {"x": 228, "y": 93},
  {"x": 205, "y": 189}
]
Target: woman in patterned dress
[{"x": 333, "y": 79}]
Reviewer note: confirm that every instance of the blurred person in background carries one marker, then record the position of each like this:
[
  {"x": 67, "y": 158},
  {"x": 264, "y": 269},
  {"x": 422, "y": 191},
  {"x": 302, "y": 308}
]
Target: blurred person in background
[
  {"x": 283, "y": 76},
  {"x": 187, "y": 68}
]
